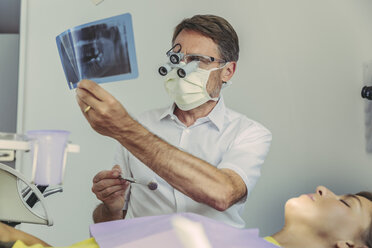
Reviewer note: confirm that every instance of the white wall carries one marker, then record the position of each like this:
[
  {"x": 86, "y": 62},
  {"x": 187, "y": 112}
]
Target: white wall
[{"x": 300, "y": 74}]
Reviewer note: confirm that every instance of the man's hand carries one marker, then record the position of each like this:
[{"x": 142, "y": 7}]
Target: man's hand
[
  {"x": 106, "y": 114},
  {"x": 110, "y": 189}
]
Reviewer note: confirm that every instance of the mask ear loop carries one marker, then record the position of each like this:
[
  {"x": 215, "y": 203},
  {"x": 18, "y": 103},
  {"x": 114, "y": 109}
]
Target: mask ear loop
[
  {"x": 227, "y": 83},
  {"x": 224, "y": 84}
]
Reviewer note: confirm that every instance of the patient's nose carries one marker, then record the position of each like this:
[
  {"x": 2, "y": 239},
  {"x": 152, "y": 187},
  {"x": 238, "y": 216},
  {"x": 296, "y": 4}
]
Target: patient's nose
[{"x": 324, "y": 192}]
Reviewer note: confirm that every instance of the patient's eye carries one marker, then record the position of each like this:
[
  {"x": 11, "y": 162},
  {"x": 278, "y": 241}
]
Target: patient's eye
[{"x": 344, "y": 202}]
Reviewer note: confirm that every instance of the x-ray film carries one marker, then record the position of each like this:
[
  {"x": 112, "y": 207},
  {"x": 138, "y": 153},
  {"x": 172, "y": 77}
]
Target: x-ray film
[{"x": 102, "y": 51}]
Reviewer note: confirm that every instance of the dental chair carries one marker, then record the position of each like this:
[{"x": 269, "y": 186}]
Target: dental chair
[
  {"x": 18, "y": 195},
  {"x": 14, "y": 207}
]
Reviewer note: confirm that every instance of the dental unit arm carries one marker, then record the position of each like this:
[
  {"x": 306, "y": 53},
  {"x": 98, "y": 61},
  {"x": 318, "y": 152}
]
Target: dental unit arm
[{"x": 17, "y": 194}]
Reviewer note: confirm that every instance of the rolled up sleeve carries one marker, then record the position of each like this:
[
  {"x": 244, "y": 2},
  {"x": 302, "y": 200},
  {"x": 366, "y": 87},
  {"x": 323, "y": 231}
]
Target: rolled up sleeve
[{"x": 247, "y": 154}]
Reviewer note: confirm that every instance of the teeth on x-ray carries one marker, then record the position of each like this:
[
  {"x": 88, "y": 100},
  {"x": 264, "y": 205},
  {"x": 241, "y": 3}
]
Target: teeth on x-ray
[{"x": 100, "y": 51}]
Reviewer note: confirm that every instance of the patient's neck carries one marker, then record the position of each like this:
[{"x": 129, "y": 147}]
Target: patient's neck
[{"x": 299, "y": 236}]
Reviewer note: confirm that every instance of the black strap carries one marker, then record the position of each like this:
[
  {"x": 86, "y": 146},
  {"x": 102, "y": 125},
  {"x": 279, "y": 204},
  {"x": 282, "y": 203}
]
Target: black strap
[{"x": 32, "y": 200}]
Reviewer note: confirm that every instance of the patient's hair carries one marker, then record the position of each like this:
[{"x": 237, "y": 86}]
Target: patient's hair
[{"x": 367, "y": 235}]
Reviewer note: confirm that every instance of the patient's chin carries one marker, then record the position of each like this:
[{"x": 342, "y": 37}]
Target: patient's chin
[
  {"x": 299, "y": 210},
  {"x": 296, "y": 205},
  {"x": 293, "y": 202}
]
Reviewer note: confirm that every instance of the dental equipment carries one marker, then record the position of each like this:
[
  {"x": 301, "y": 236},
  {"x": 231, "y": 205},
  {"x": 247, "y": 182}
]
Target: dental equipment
[
  {"x": 164, "y": 69},
  {"x": 188, "y": 68},
  {"x": 367, "y": 92},
  {"x": 175, "y": 57},
  {"x": 182, "y": 71},
  {"x": 14, "y": 208},
  {"x": 151, "y": 185},
  {"x": 49, "y": 151},
  {"x": 174, "y": 60}
]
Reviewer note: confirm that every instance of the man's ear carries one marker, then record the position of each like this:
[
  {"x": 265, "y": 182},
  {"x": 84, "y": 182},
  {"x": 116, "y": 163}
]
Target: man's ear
[
  {"x": 348, "y": 244},
  {"x": 228, "y": 71}
]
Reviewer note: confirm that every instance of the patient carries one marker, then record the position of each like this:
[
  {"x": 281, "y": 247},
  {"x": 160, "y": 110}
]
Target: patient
[
  {"x": 321, "y": 219},
  {"x": 324, "y": 219}
]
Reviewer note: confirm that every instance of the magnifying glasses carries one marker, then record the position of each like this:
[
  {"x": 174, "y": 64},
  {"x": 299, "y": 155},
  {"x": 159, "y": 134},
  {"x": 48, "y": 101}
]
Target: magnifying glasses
[{"x": 151, "y": 185}]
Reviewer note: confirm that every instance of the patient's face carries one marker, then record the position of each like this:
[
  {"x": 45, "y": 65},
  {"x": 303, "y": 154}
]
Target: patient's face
[{"x": 329, "y": 215}]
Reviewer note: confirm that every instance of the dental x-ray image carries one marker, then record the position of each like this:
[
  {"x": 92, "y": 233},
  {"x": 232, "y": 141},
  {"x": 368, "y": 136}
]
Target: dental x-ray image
[{"x": 102, "y": 51}]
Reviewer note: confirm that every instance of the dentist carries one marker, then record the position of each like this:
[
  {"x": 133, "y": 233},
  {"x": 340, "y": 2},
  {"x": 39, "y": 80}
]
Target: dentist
[{"x": 204, "y": 157}]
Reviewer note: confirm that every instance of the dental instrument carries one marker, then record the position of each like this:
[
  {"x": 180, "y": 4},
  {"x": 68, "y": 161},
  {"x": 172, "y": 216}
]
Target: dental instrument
[{"x": 151, "y": 185}]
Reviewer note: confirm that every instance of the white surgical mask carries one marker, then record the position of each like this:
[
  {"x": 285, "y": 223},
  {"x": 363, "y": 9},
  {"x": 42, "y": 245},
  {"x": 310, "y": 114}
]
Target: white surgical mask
[{"x": 191, "y": 91}]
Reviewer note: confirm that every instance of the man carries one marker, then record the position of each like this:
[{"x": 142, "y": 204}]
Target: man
[
  {"x": 322, "y": 219},
  {"x": 204, "y": 157}
]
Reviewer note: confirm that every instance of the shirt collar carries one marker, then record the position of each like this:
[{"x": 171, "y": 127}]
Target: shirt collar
[
  {"x": 216, "y": 116},
  {"x": 168, "y": 112}
]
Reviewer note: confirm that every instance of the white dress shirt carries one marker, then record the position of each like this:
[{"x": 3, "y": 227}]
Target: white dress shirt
[{"x": 224, "y": 138}]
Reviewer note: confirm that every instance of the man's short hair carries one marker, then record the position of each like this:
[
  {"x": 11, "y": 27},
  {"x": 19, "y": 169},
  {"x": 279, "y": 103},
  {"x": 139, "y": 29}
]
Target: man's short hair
[
  {"x": 216, "y": 28},
  {"x": 367, "y": 235}
]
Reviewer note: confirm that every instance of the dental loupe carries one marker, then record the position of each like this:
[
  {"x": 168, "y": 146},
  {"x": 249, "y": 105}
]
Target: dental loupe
[
  {"x": 175, "y": 57},
  {"x": 188, "y": 68},
  {"x": 174, "y": 60},
  {"x": 164, "y": 69},
  {"x": 183, "y": 69}
]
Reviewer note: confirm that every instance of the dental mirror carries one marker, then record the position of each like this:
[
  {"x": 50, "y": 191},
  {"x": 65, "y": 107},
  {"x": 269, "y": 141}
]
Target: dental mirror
[{"x": 151, "y": 185}]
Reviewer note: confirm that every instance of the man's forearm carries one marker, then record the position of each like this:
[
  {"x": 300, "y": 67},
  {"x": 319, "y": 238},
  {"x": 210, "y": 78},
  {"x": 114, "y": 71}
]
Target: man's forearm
[
  {"x": 192, "y": 176},
  {"x": 103, "y": 214},
  {"x": 201, "y": 181}
]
